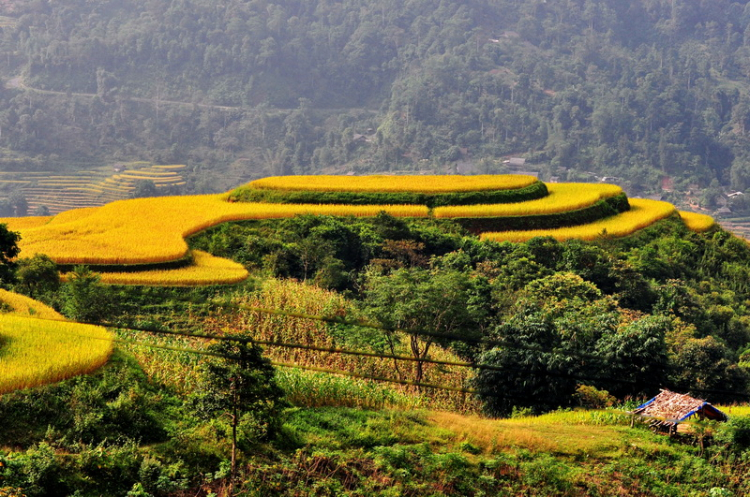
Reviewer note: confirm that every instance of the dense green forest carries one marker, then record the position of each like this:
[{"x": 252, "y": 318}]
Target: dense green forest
[{"x": 635, "y": 90}]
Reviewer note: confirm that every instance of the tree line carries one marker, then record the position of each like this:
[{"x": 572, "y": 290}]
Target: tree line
[{"x": 636, "y": 90}]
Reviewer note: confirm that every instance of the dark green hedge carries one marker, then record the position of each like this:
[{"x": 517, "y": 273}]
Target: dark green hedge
[
  {"x": 130, "y": 268},
  {"x": 600, "y": 210},
  {"x": 531, "y": 192}
]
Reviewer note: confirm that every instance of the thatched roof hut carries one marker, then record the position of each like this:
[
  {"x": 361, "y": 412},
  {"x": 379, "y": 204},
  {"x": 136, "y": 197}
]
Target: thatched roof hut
[{"x": 668, "y": 409}]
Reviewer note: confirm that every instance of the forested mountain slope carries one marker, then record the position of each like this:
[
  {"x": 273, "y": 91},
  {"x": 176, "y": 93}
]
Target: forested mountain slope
[{"x": 638, "y": 90}]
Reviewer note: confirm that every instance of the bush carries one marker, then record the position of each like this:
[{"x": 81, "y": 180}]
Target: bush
[
  {"x": 593, "y": 398},
  {"x": 735, "y": 433},
  {"x": 600, "y": 210},
  {"x": 531, "y": 192}
]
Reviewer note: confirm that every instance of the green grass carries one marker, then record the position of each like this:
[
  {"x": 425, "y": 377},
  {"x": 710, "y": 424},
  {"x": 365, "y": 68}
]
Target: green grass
[{"x": 339, "y": 451}]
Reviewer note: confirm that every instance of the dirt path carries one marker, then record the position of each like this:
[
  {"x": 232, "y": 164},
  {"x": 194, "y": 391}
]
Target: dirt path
[{"x": 19, "y": 83}]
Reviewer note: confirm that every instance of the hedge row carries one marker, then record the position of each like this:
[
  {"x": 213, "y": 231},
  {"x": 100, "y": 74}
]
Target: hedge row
[
  {"x": 531, "y": 192},
  {"x": 600, "y": 210},
  {"x": 130, "y": 268}
]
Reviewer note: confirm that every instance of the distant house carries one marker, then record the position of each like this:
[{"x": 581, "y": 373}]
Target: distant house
[
  {"x": 724, "y": 211},
  {"x": 667, "y": 184},
  {"x": 515, "y": 162},
  {"x": 668, "y": 409}
]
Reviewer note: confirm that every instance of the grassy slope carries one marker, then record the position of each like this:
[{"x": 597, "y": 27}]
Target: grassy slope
[
  {"x": 352, "y": 452},
  {"x": 408, "y": 449}
]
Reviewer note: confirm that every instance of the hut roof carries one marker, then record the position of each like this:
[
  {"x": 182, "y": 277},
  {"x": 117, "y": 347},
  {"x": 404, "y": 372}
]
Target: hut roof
[{"x": 673, "y": 408}]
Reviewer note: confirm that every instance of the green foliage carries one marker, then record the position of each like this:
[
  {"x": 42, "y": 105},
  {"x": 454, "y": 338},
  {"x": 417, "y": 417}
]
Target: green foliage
[
  {"x": 649, "y": 91},
  {"x": 311, "y": 389},
  {"x": 532, "y": 192},
  {"x": 593, "y": 398},
  {"x": 328, "y": 250},
  {"x": 84, "y": 298},
  {"x": 8, "y": 251},
  {"x": 239, "y": 383},
  {"x": 531, "y": 371},
  {"x": 144, "y": 188},
  {"x": 600, "y": 210},
  {"x": 115, "y": 403},
  {"x": 706, "y": 364},
  {"x": 734, "y": 434},
  {"x": 37, "y": 276},
  {"x": 636, "y": 355},
  {"x": 436, "y": 302}
]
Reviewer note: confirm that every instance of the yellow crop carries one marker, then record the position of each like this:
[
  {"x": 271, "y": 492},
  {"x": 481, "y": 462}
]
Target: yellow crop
[
  {"x": 642, "y": 213},
  {"x": 562, "y": 197},
  {"x": 37, "y": 346},
  {"x": 414, "y": 184},
  {"x": 26, "y": 306},
  {"x": 152, "y": 178},
  {"x": 150, "y": 230},
  {"x": 155, "y": 174},
  {"x": 205, "y": 270},
  {"x": 22, "y": 223},
  {"x": 697, "y": 222}
]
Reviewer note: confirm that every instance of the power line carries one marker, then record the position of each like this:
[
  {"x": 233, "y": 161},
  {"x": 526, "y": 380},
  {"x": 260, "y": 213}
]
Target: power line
[
  {"x": 249, "y": 340},
  {"x": 375, "y": 378}
]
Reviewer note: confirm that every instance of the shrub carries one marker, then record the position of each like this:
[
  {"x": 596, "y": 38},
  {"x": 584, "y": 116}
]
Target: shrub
[{"x": 735, "y": 433}]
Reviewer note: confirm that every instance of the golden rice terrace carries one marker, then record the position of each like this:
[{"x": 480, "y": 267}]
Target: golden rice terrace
[{"x": 142, "y": 241}]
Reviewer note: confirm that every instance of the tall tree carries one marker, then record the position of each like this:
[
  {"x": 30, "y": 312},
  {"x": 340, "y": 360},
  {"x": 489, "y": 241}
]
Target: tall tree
[
  {"x": 8, "y": 251},
  {"x": 417, "y": 299},
  {"x": 237, "y": 382}
]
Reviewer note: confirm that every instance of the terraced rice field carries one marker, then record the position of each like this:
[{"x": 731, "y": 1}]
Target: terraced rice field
[
  {"x": 412, "y": 184},
  {"x": 153, "y": 230},
  {"x": 32, "y": 338},
  {"x": 62, "y": 192},
  {"x": 562, "y": 197},
  {"x": 642, "y": 213},
  {"x": 205, "y": 270},
  {"x": 697, "y": 222}
]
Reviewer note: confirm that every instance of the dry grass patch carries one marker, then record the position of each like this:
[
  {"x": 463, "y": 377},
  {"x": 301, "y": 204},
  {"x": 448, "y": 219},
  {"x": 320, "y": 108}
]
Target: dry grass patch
[{"x": 537, "y": 434}]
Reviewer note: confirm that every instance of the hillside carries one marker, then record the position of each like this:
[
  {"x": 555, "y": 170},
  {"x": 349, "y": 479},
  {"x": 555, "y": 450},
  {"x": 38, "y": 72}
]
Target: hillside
[
  {"x": 638, "y": 91},
  {"x": 401, "y": 353}
]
